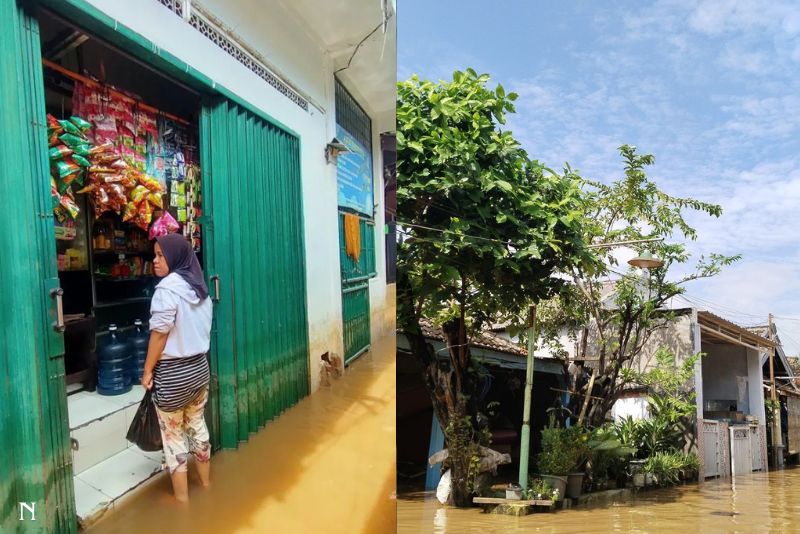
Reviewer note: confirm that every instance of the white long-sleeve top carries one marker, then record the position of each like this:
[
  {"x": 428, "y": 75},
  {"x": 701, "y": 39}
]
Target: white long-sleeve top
[{"x": 176, "y": 309}]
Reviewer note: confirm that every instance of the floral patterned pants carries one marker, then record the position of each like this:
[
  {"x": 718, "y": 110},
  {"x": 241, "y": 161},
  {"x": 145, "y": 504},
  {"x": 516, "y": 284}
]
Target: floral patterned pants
[{"x": 183, "y": 432}]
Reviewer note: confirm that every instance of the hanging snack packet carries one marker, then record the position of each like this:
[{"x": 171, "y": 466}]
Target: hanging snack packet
[
  {"x": 83, "y": 150},
  {"x": 59, "y": 152},
  {"x": 150, "y": 183},
  {"x": 76, "y": 178},
  {"x": 88, "y": 189},
  {"x": 80, "y": 123},
  {"x": 166, "y": 224},
  {"x": 66, "y": 167},
  {"x": 95, "y": 169},
  {"x": 72, "y": 140},
  {"x": 70, "y": 128},
  {"x": 130, "y": 212},
  {"x": 60, "y": 213},
  {"x": 139, "y": 193},
  {"x": 55, "y": 196},
  {"x": 53, "y": 127},
  {"x": 80, "y": 160},
  {"x": 155, "y": 199},
  {"x": 107, "y": 146},
  {"x": 53, "y": 140},
  {"x": 69, "y": 204}
]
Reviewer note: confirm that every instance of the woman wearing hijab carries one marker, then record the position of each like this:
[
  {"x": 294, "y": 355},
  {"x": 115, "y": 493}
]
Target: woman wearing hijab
[{"x": 180, "y": 331}]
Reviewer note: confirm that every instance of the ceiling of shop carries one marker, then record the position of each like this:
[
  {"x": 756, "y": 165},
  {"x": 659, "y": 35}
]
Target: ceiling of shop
[{"x": 339, "y": 27}]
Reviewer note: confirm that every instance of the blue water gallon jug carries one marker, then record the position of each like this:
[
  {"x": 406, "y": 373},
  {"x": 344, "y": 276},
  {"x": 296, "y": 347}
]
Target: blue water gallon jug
[
  {"x": 138, "y": 341},
  {"x": 113, "y": 363}
]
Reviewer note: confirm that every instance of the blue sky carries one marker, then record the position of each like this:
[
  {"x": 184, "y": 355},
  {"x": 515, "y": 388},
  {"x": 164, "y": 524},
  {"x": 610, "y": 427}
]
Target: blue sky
[{"x": 711, "y": 88}]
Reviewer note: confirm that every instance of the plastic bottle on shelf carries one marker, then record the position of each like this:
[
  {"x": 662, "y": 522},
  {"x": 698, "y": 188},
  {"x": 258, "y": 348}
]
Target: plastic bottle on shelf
[
  {"x": 113, "y": 362},
  {"x": 138, "y": 342}
]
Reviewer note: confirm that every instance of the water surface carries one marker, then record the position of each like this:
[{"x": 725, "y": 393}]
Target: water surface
[{"x": 761, "y": 502}]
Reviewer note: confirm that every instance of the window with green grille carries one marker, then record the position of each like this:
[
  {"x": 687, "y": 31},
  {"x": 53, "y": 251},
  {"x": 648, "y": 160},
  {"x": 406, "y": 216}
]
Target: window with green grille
[
  {"x": 352, "y": 117},
  {"x": 365, "y": 266},
  {"x": 354, "y": 168}
]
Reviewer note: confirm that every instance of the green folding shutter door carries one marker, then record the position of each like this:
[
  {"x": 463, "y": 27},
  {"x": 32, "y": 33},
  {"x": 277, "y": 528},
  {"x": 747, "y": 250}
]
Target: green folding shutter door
[
  {"x": 256, "y": 215},
  {"x": 35, "y": 464},
  {"x": 355, "y": 290}
]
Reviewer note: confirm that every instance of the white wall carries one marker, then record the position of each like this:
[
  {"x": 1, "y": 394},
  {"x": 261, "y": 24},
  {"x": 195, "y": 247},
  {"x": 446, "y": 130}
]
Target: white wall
[
  {"x": 723, "y": 367},
  {"x": 755, "y": 382},
  {"x": 635, "y": 407},
  {"x": 281, "y": 38}
]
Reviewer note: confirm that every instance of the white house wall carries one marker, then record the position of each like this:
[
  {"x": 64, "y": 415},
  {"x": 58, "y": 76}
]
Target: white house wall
[
  {"x": 280, "y": 37},
  {"x": 723, "y": 367}
]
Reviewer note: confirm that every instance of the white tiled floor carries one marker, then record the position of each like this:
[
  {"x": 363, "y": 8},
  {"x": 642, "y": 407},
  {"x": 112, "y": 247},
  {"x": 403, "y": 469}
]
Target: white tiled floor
[
  {"x": 84, "y": 406},
  {"x": 98, "y": 486},
  {"x": 88, "y": 499},
  {"x": 99, "y": 440}
]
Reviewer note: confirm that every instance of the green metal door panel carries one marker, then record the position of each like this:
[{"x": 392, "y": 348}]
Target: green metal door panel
[
  {"x": 355, "y": 289},
  {"x": 219, "y": 252},
  {"x": 364, "y": 268},
  {"x": 253, "y": 267},
  {"x": 211, "y": 272},
  {"x": 265, "y": 250},
  {"x": 236, "y": 153},
  {"x": 355, "y": 315},
  {"x": 295, "y": 179},
  {"x": 35, "y": 461}
]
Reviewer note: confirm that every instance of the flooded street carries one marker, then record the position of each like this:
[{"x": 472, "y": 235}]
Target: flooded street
[
  {"x": 326, "y": 465},
  {"x": 762, "y": 502}
]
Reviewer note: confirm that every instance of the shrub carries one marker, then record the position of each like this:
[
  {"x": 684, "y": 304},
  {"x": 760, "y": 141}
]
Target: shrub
[{"x": 563, "y": 450}]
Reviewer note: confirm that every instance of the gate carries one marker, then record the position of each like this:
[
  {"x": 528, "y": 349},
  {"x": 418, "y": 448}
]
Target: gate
[
  {"x": 711, "y": 456},
  {"x": 741, "y": 454},
  {"x": 759, "y": 463},
  {"x": 355, "y": 290}
]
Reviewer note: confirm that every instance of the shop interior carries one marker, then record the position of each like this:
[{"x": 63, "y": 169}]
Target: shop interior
[{"x": 122, "y": 146}]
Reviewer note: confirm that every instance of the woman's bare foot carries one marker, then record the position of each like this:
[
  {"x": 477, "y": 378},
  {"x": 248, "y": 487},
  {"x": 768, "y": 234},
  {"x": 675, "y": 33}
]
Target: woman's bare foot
[
  {"x": 204, "y": 471},
  {"x": 180, "y": 486}
]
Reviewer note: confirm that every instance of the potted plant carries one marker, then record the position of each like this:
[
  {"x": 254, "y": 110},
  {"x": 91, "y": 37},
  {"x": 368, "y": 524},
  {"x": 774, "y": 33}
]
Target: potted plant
[
  {"x": 577, "y": 442},
  {"x": 540, "y": 489},
  {"x": 608, "y": 458},
  {"x": 562, "y": 452}
]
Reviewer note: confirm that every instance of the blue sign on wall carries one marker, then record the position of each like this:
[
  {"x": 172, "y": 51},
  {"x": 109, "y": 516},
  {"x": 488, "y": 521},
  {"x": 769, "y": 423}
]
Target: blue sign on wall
[{"x": 354, "y": 175}]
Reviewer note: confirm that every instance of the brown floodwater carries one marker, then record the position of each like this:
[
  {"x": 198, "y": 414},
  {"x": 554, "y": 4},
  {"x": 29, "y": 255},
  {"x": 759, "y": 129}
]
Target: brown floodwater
[
  {"x": 761, "y": 502},
  {"x": 326, "y": 465}
]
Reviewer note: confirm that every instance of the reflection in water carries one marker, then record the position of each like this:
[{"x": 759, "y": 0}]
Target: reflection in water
[
  {"x": 326, "y": 465},
  {"x": 761, "y": 502}
]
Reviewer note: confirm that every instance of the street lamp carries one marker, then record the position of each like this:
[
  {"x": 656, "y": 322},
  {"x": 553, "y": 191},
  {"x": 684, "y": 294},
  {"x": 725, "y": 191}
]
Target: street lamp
[{"x": 645, "y": 261}]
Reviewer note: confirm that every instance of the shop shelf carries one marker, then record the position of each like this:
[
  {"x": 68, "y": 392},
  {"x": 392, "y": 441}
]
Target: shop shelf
[
  {"x": 109, "y": 252},
  {"x": 122, "y": 302},
  {"x": 100, "y": 278}
]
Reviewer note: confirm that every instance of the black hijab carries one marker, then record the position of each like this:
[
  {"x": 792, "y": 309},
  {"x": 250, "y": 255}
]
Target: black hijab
[{"x": 182, "y": 260}]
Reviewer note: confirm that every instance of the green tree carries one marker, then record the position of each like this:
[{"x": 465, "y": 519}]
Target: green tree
[
  {"x": 612, "y": 322},
  {"x": 485, "y": 228}
]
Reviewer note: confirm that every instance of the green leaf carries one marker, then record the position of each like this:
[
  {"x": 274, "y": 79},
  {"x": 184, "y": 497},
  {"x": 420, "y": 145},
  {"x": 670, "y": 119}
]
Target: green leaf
[{"x": 505, "y": 186}]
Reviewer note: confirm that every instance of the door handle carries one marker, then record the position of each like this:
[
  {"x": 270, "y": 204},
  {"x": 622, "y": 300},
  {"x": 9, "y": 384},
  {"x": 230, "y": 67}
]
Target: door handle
[
  {"x": 58, "y": 294},
  {"x": 215, "y": 279}
]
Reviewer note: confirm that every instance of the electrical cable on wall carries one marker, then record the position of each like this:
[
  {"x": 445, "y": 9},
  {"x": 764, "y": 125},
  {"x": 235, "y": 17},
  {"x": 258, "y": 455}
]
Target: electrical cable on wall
[{"x": 370, "y": 34}]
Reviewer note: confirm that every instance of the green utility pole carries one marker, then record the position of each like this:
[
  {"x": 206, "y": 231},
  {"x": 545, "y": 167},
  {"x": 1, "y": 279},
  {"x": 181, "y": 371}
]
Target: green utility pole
[{"x": 526, "y": 414}]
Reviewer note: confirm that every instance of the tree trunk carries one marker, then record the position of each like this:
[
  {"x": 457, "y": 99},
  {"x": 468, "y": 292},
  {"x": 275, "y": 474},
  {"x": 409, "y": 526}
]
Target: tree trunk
[{"x": 451, "y": 389}]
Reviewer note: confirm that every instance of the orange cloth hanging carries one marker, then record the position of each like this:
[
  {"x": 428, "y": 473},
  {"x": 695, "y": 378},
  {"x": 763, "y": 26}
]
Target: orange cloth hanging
[{"x": 352, "y": 236}]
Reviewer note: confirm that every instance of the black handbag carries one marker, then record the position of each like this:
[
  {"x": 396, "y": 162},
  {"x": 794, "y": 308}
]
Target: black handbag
[{"x": 145, "y": 431}]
